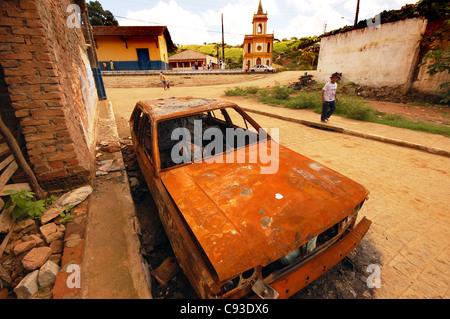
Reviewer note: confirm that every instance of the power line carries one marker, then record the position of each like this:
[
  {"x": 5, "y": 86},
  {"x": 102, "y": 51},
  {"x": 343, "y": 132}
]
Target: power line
[
  {"x": 340, "y": 4},
  {"x": 176, "y": 26}
]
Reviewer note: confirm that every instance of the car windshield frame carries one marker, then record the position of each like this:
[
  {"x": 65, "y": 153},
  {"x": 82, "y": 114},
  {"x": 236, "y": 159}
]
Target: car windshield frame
[{"x": 251, "y": 125}]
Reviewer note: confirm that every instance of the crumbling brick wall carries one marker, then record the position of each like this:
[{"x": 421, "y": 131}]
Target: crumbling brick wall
[{"x": 43, "y": 69}]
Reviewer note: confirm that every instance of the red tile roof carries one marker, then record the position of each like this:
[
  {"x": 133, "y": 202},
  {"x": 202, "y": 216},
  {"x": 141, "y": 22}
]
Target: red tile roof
[{"x": 128, "y": 30}]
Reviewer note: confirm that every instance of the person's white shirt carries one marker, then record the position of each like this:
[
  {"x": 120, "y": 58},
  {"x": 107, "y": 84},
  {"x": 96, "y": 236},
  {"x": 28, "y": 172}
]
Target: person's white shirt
[{"x": 329, "y": 91}]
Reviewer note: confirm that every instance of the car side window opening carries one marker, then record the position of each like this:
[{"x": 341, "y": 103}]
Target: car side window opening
[
  {"x": 146, "y": 137},
  {"x": 220, "y": 119},
  {"x": 137, "y": 116}
]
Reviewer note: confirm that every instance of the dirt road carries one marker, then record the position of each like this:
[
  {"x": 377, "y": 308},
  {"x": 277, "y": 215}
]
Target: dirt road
[{"x": 408, "y": 205}]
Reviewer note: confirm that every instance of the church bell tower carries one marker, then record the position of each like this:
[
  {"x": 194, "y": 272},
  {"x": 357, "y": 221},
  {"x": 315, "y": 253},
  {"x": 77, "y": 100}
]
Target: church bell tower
[{"x": 258, "y": 47}]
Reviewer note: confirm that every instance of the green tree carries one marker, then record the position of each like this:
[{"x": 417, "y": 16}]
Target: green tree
[
  {"x": 437, "y": 59},
  {"x": 99, "y": 16},
  {"x": 309, "y": 59}
]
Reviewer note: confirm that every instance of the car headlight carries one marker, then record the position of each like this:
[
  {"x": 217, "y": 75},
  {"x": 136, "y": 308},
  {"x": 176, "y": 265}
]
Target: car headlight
[
  {"x": 350, "y": 218},
  {"x": 288, "y": 258}
]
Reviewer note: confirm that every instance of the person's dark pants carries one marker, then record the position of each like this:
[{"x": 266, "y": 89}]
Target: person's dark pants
[{"x": 328, "y": 109}]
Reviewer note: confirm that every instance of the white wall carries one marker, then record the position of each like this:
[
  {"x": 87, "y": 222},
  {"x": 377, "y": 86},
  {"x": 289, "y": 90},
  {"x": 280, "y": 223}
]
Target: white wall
[{"x": 375, "y": 56}]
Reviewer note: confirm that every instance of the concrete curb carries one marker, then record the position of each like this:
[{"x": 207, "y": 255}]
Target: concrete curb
[
  {"x": 333, "y": 128},
  {"x": 76, "y": 235},
  {"x": 138, "y": 268}
]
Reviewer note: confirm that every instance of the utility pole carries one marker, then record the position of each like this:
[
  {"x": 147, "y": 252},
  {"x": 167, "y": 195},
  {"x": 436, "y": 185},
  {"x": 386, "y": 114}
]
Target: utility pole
[
  {"x": 223, "y": 45},
  {"x": 357, "y": 13}
]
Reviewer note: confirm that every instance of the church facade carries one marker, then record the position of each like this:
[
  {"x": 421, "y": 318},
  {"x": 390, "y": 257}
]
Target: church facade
[{"x": 258, "y": 47}]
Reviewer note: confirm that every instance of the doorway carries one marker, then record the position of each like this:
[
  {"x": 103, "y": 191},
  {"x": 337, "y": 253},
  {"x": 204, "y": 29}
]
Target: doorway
[{"x": 143, "y": 59}]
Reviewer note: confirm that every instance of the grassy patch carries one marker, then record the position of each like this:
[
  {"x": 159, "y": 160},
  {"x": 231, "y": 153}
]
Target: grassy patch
[
  {"x": 400, "y": 121},
  {"x": 246, "y": 91},
  {"x": 349, "y": 106}
]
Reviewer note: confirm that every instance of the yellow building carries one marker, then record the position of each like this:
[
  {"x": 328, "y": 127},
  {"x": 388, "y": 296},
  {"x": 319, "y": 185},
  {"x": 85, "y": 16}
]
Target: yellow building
[
  {"x": 186, "y": 61},
  {"x": 132, "y": 47},
  {"x": 258, "y": 47}
]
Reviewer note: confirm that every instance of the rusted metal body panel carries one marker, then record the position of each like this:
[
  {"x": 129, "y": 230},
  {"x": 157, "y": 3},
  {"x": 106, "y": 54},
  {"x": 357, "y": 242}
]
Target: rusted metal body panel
[
  {"x": 234, "y": 212},
  {"x": 299, "y": 276},
  {"x": 227, "y": 221}
]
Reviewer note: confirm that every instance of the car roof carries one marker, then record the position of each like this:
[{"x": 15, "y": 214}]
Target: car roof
[{"x": 163, "y": 109}]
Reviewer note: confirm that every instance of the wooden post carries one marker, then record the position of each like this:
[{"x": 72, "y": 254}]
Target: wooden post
[
  {"x": 223, "y": 45},
  {"x": 357, "y": 13},
  {"x": 15, "y": 149}
]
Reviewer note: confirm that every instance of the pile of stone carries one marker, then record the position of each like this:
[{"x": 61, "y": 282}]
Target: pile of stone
[
  {"x": 131, "y": 164},
  {"x": 33, "y": 255},
  {"x": 392, "y": 94}
]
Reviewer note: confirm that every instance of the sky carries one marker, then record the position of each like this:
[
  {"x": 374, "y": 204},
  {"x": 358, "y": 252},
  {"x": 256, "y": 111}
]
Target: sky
[{"x": 199, "y": 22}]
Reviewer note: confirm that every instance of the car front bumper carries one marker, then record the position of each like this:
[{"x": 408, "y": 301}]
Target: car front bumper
[{"x": 294, "y": 279}]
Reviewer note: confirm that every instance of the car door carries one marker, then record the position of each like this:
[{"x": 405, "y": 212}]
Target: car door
[{"x": 143, "y": 135}]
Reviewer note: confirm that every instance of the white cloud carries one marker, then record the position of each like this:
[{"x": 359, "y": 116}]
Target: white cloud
[
  {"x": 304, "y": 24},
  {"x": 184, "y": 26},
  {"x": 188, "y": 27},
  {"x": 287, "y": 18}
]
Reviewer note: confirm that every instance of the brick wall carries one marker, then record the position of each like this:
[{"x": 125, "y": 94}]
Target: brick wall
[{"x": 43, "y": 70}]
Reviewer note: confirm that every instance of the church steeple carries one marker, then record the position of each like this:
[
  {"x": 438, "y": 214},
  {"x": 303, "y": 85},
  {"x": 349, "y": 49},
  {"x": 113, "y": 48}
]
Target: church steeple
[
  {"x": 258, "y": 46},
  {"x": 260, "y": 8}
]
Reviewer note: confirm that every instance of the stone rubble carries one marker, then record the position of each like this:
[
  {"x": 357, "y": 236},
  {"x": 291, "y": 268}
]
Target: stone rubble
[
  {"x": 28, "y": 286},
  {"x": 47, "y": 274},
  {"x": 32, "y": 258},
  {"x": 72, "y": 198},
  {"x": 36, "y": 257},
  {"x": 51, "y": 232}
]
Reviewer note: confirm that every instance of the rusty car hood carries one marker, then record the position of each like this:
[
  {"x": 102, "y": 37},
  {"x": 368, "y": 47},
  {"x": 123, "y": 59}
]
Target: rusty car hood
[{"x": 243, "y": 218}]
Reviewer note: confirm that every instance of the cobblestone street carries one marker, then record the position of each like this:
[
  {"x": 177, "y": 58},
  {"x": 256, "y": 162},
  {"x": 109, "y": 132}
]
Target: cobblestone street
[{"x": 408, "y": 202}]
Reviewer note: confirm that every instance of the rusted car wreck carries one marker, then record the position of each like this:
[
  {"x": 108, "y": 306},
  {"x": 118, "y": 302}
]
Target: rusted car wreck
[{"x": 238, "y": 233}]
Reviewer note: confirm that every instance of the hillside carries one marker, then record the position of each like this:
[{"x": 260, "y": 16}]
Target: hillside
[
  {"x": 293, "y": 54},
  {"x": 233, "y": 54}
]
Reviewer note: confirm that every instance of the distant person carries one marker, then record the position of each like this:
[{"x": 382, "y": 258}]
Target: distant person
[
  {"x": 105, "y": 66},
  {"x": 329, "y": 97},
  {"x": 196, "y": 65},
  {"x": 164, "y": 80},
  {"x": 111, "y": 63}
]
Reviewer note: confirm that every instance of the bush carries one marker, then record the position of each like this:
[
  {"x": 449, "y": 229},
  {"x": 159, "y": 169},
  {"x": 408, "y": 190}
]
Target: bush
[
  {"x": 234, "y": 92},
  {"x": 306, "y": 101},
  {"x": 237, "y": 91},
  {"x": 355, "y": 109},
  {"x": 24, "y": 204},
  {"x": 281, "y": 92}
]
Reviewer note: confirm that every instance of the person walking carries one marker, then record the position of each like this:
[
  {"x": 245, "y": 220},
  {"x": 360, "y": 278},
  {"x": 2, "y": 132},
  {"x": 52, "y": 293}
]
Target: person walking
[
  {"x": 329, "y": 98},
  {"x": 164, "y": 80},
  {"x": 112, "y": 65}
]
